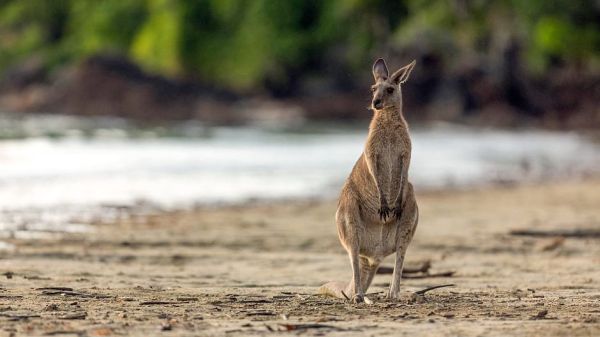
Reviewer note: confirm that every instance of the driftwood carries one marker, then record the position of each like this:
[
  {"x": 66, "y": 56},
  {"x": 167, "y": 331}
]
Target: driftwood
[
  {"x": 307, "y": 326},
  {"x": 444, "y": 274},
  {"x": 158, "y": 302},
  {"x": 18, "y": 316},
  {"x": 567, "y": 233},
  {"x": 419, "y": 272},
  {"x": 423, "y": 268}
]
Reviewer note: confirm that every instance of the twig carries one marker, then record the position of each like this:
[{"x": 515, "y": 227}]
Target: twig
[
  {"x": 18, "y": 317},
  {"x": 444, "y": 274},
  {"x": 63, "y": 332},
  {"x": 346, "y": 296},
  {"x": 573, "y": 233},
  {"x": 66, "y": 293},
  {"x": 292, "y": 327},
  {"x": 423, "y": 268},
  {"x": 158, "y": 302},
  {"x": 10, "y": 297},
  {"x": 56, "y": 288},
  {"x": 75, "y": 315},
  {"x": 422, "y": 292}
]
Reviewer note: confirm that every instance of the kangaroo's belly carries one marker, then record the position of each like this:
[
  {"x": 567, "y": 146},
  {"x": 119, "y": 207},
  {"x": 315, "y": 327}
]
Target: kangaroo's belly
[{"x": 378, "y": 241}]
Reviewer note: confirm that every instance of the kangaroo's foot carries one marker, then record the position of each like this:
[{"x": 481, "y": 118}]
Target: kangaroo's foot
[
  {"x": 393, "y": 296},
  {"x": 341, "y": 290},
  {"x": 358, "y": 298}
]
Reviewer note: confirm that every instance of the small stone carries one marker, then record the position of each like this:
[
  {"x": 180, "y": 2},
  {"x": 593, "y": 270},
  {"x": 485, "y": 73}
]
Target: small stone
[{"x": 51, "y": 307}]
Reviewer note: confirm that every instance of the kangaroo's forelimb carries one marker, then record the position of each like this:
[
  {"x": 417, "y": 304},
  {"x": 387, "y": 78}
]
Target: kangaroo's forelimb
[{"x": 375, "y": 166}]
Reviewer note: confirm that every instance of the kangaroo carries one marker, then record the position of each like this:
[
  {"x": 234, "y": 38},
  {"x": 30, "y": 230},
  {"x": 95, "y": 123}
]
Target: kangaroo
[{"x": 368, "y": 228}]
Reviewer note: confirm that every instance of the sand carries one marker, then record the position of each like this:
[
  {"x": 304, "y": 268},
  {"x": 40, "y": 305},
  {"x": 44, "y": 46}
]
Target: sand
[{"x": 254, "y": 270}]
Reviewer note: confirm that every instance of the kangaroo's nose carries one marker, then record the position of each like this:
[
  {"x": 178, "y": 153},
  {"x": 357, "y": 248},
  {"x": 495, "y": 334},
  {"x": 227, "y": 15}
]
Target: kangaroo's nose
[{"x": 377, "y": 103}]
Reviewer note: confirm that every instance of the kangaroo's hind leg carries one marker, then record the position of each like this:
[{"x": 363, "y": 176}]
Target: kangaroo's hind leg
[
  {"x": 352, "y": 244},
  {"x": 348, "y": 225},
  {"x": 368, "y": 269},
  {"x": 339, "y": 289},
  {"x": 407, "y": 225}
]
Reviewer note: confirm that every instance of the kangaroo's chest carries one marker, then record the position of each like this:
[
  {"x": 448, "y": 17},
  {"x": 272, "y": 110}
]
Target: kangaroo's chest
[{"x": 389, "y": 153}]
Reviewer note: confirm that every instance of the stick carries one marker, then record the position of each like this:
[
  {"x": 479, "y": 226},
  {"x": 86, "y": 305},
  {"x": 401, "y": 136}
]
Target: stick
[
  {"x": 573, "y": 233},
  {"x": 423, "y": 268},
  {"x": 158, "y": 302},
  {"x": 444, "y": 274},
  {"x": 422, "y": 292},
  {"x": 56, "y": 288},
  {"x": 346, "y": 296}
]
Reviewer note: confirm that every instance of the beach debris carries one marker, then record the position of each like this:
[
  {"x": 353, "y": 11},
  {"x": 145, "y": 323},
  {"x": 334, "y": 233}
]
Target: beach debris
[
  {"x": 255, "y": 301},
  {"x": 74, "y": 315},
  {"x": 11, "y": 297},
  {"x": 423, "y": 291},
  {"x": 13, "y": 316},
  {"x": 159, "y": 302},
  {"x": 578, "y": 233},
  {"x": 166, "y": 326},
  {"x": 36, "y": 278},
  {"x": 260, "y": 312},
  {"x": 65, "y": 332},
  {"x": 553, "y": 244},
  {"x": 346, "y": 296},
  {"x": 65, "y": 291},
  {"x": 187, "y": 299},
  {"x": 51, "y": 307},
  {"x": 55, "y": 288},
  {"x": 9, "y": 274},
  {"x": 423, "y": 268},
  {"x": 301, "y": 298},
  {"x": 419, "y": 296},
  {"x": 540, "y": 315},
  {"x": 419, "y": 272},
  {"x": 307, "y": 326},
  {"x": 444, "y": 274}
]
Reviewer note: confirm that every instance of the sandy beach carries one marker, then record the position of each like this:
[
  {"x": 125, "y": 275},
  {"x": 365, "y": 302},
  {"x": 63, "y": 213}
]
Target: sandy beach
[{"x": 254, "y": 270}]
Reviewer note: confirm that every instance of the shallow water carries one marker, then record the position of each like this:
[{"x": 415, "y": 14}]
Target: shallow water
[{"x": 49, "y": 183}]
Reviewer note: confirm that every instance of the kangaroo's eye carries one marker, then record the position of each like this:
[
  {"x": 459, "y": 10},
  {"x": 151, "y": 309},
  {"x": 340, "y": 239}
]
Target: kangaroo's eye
[{"x": 390, "y": 90}]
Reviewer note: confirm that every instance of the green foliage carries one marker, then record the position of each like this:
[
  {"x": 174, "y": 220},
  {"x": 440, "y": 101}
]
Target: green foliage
[
  {"x": 157, "y": 42},
  {"x": 248, "y": 44},
  {"x": 100, "y": 26}
]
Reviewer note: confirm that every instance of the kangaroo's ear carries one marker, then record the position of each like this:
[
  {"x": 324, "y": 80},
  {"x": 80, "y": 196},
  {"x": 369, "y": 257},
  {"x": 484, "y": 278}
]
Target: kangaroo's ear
[
  {"x": 402, "y": 74},
  {"x": 380, "y": 70}
]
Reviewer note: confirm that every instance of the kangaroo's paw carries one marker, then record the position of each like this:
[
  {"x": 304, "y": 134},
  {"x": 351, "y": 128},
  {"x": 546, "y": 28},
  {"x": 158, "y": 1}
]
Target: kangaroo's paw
[
  {"x": 384, "y": 212},
  {"x": 397, "y": 212}
]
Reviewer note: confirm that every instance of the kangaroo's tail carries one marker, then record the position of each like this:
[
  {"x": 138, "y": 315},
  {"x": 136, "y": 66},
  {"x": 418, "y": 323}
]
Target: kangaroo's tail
[{"x": 336, "y": 289}]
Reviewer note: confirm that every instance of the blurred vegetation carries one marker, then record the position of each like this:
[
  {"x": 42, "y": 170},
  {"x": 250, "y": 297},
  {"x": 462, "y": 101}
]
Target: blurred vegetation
[{"x": 249, "y": 45}]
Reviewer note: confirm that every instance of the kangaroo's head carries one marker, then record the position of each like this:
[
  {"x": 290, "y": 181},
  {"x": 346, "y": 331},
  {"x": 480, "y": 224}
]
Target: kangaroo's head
[{"x": 386, "y": 90}]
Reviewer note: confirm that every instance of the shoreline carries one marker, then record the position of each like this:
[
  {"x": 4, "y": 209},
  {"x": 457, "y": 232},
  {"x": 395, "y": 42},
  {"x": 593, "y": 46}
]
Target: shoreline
[{"x": 254, "y": 270}]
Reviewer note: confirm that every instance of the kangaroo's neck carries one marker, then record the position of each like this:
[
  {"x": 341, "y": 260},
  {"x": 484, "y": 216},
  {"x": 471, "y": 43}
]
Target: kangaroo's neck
[{"x": 388, "y": 117}]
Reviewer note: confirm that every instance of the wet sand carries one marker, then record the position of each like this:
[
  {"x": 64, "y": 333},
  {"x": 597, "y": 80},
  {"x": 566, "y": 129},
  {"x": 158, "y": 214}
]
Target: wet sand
[{"x": 255, "y": 269}]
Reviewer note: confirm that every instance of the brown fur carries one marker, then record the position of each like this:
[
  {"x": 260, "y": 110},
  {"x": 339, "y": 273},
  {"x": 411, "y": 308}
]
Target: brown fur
[{"x": 377, "y": 212}]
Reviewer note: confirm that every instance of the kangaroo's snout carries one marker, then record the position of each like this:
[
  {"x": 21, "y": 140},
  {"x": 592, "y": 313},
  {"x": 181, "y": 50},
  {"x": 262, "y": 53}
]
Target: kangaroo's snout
[{"x": 377, "y": 103}]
